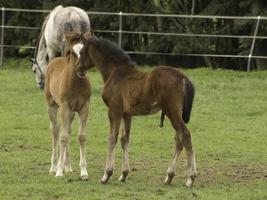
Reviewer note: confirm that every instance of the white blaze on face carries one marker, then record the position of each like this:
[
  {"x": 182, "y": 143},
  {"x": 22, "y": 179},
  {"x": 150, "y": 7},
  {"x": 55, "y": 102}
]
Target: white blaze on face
[{"x": 76, "y": 48}]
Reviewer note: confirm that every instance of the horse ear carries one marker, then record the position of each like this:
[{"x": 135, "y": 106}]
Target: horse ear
[{"x": 87, "y": 35}]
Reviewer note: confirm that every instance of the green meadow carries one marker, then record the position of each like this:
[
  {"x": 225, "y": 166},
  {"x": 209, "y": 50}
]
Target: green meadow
[{"x": 228, "y": 126}]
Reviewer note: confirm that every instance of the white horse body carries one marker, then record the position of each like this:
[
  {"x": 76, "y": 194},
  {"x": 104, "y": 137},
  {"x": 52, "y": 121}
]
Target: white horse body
[{"x": 60, "y": 21}]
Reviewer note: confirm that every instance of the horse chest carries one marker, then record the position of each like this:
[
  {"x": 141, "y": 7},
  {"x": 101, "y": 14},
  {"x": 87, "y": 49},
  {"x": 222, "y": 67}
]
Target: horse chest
[{"x": 75, "y": 96}]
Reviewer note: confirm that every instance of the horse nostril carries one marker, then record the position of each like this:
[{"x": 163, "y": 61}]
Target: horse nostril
[{"x": 41, "y": 86}]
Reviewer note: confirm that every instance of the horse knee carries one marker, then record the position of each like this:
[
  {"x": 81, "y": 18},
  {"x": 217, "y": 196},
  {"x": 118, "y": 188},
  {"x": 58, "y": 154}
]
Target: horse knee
[
  {"x": 64, "y": 139},
  {"x": 186, "y": 140},
  {"x": 113, "y": 140},
  {"x": 82, "y": 139},
  {"x": 124, "y": 141},
  {"x": 54, "y": 130}
]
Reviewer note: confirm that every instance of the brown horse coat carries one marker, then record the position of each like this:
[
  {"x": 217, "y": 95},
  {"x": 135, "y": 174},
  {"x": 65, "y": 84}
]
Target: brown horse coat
[
  {"x": 68, "y": 89},
  {"x": 128, "y": 92}
]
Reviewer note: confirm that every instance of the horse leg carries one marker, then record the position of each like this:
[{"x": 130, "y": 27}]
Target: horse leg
[
  {"x": 191, "y": 164},
  {"x": 172, "y": 167},
  {"x": 52, "y": 112},
  {"x": 83, "y": 115},
  {"x": 114, "y": 120},
  {"x": 183, "y": 137},
  {"x": 67, "y": 164},
  {"x": 124, "y": 144},
  {"x": 173, "y": 107},
  {"x": 64, "y": 137}
]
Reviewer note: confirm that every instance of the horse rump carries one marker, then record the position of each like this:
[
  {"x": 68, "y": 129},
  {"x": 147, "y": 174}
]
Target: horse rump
[{"x": 189, "y": 93}]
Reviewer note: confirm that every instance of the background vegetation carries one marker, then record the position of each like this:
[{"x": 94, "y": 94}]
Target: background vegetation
[
  {"x": 228, "y": 127},
  {"x": 168, "y": 44}
]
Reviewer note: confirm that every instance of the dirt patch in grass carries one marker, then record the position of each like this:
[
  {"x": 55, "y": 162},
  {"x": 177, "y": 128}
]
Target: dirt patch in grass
[
  {"x": 244, "y": 173},
  {"x": 20, "y": 147},
  {"x": 231, "y": 173}
]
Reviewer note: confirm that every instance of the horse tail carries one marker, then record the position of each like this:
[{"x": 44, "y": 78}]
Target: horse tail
[
  {"x": 189, "y": 93},
  {"x": 162, "y": 116}
]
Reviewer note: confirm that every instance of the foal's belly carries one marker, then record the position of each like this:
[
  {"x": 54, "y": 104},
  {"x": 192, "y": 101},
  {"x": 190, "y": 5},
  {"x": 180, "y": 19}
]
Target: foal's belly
[{"x": 144, "y": 109}]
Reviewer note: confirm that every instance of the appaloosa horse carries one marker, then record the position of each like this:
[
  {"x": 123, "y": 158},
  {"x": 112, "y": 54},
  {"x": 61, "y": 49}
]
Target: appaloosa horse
[
  {"x": 128, "y": 92},
  {"x": 51, "y": 43},
  {"x": 66, "y": 87}
]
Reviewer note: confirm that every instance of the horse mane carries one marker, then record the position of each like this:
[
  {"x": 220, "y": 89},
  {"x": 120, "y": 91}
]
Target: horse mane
[
  {"x": 40, "y": 36},
  {"x": 112, "y": 52}
]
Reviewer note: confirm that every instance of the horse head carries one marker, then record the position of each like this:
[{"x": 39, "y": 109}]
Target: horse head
[
  {"x": 75, "y": 45},
  {"x": 85, "y": 61},
  {"x": 39, "y": 74}
]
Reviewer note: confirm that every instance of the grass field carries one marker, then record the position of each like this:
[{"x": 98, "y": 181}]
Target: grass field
[{"x": 228, "y": 126}]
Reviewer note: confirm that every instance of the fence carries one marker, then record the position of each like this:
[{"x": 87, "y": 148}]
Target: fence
[{"x": 120, "y": 32}]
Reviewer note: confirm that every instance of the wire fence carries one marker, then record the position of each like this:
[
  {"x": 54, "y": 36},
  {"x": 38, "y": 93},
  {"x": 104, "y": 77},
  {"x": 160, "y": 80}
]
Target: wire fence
[{"x": 120, "y": 32}]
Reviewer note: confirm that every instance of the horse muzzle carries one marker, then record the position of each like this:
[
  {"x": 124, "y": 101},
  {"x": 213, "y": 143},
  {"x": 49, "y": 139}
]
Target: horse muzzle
[{"x": 41, "y": 85}]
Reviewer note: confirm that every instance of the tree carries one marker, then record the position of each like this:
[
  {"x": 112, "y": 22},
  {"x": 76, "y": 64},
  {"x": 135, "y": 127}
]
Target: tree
[{"x": 157, "y": 43}]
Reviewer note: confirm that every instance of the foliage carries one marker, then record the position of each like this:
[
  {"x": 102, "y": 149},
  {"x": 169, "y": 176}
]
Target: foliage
[{"x": 156, "y": 43}]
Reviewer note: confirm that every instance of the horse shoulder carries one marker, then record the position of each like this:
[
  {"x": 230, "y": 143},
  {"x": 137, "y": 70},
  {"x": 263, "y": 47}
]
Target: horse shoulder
[{"x": 107, "y": 94}]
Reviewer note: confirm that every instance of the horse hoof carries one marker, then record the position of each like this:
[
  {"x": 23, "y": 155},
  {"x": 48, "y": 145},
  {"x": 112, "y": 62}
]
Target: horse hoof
[
  {"x": 84, "y": 174},
  {"x": 169, "y": 178},
  {"x": 104, "y": 180},
  {"x": 106, "y": 176},
  {"x": 59, "y": 173},
  {"x": 85, "y": 177},
  {"x": 190, "y": 180},
  {"x": 52, "y": 172},
  {"x": 124, "y": 175},
  {"x": 189, "y": 183},
  {"x": 122, "y": 179}
]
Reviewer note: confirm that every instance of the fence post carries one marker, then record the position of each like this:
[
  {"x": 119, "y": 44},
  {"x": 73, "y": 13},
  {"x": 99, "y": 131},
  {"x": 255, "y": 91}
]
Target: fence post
[
  {"x": 120, "y": 28},
  {"x": 253, "y": 43},
  {"x": 2, "y": 37}
]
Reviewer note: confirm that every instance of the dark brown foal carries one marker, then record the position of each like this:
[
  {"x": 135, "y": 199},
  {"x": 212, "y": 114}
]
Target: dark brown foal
[{"x": 128, "y": 92}]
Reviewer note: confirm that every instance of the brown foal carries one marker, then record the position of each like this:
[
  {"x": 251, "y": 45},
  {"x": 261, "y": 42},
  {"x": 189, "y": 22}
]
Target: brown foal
[
  {"x": 128, "y": 92},
  {"x": 67, "y": 88}
]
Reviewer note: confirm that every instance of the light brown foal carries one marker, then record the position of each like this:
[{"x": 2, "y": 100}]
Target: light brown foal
[
  {"x": 128, "y": 92},
  {"x": 68, "y": 89}
]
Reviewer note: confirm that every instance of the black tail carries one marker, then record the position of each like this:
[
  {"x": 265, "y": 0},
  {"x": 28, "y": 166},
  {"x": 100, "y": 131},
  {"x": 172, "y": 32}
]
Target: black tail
[{"x": 189, "y": 93}]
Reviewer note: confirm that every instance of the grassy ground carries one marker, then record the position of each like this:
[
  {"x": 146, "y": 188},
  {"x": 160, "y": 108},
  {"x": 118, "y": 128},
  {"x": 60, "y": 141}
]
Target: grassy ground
[{"x": 228, "y": 125}]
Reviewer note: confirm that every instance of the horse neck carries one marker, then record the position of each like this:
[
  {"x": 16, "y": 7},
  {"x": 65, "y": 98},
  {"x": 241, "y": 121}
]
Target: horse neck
[
  {"x": 105, "y": 68},
  {"x": 72, "y": 68},
  {"x": 41, "y": 53}
]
